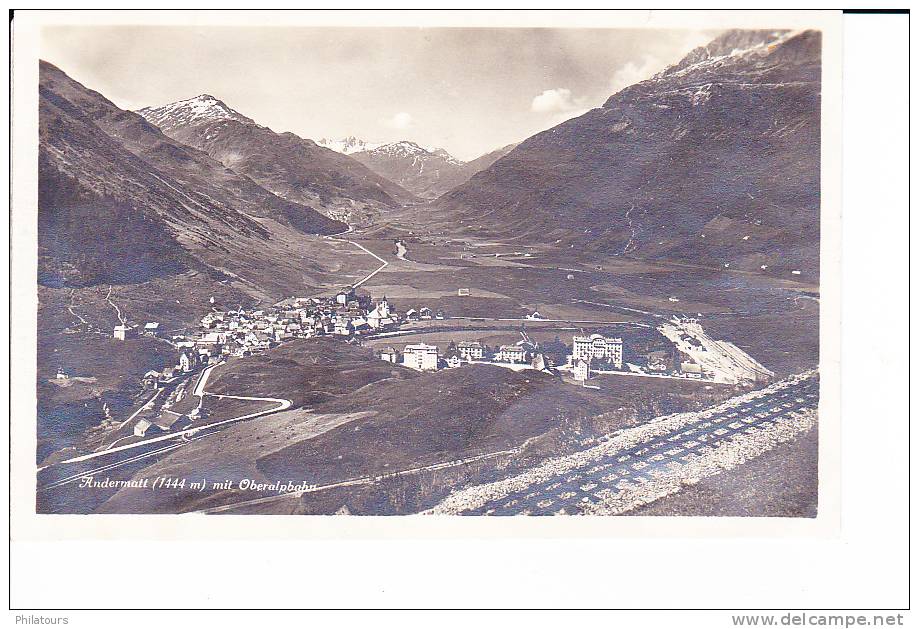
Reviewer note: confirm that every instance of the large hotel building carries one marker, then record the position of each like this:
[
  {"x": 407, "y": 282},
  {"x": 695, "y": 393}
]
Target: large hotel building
[{"x": 597, "y": 346}]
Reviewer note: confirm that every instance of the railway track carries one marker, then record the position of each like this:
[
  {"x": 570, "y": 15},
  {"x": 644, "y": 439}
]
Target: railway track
[{"x": 592, "y": 480}]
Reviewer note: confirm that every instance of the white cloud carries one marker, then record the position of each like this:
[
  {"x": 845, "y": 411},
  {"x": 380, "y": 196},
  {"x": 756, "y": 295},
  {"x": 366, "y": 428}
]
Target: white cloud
[
  {"x": 556, "y": 100},
  {"x": 401, "y": 120},
  {"x": 635, "y": 72},
  {"x": 632, "y": 73},
  {"x": 558, "y": 105}
]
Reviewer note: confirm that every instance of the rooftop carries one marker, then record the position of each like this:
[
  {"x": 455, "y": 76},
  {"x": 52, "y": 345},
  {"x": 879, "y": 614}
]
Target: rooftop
[
  {"x": 419, "y": 347},
  {"x": 594, "y": 337}
]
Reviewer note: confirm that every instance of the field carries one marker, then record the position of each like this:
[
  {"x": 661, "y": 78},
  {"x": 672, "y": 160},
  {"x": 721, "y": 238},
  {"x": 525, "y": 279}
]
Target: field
[
  {"x": 773, "y": 318},
  {"x": 104, "y": 383},
  {"x": 398, "y": 423},
  {"x": 305, "y": 371}
]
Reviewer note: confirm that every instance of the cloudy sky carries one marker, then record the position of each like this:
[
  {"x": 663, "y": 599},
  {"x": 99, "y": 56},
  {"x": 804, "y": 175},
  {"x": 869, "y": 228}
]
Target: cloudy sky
[{"x": 466, "y": 90}]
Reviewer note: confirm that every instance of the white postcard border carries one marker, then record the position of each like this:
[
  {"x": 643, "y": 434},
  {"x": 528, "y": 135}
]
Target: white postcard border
[{"x": 26, "y": 525}]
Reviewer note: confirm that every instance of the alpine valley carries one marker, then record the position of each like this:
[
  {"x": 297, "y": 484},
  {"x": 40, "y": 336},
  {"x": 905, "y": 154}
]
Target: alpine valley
[{"x": 618, "y": 315}]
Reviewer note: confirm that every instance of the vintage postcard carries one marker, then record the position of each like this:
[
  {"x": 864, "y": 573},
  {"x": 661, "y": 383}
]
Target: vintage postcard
[{"x": 324, "y": 264}]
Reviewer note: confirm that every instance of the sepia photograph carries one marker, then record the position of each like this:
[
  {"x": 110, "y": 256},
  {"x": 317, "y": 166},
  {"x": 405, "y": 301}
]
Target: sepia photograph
[{"x": 464, "y": 271}]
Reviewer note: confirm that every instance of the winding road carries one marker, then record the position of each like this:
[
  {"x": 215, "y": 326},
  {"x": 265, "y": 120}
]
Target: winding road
[
  {"x": 71, "y": 470},
  {"x": 383, "y": 262},
  {"x": 108, "y": 298},
  {"x": 56, "y": 475}
]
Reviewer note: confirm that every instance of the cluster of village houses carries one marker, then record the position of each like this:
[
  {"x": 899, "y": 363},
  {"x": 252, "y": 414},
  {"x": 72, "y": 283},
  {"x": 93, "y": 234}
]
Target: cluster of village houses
[{"x": 243, "y": 332}]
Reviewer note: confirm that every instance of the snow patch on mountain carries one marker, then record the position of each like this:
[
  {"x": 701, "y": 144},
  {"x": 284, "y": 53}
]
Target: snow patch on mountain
[
  {"x": 408, "y": 149},
  {"x": 348, "y": 145},
  {"x": 192, "y": 111},
  {"x": 729, "y": 48},
  {"x": 403, "y": 148}
]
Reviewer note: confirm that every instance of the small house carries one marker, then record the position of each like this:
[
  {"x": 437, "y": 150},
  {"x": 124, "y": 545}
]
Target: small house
[
  {"x": 343, "y": 326},
  {"x": 581, "y": 370},
  {"x": 187, "y": 361},
  {"x": 140, "y": 428},
  {"x": 151, "y": 379},
  {"x": 390, "y": 355},
  {"x": 452, "y": 356},
  {"x": 344, "y": 296},
  {"x": 123, "y": 332}
]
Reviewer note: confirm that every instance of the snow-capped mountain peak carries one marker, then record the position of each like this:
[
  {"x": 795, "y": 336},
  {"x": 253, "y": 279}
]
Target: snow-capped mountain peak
[
  {"x": 402, "y": 148},
  {"x": 405, "y": 148},
  {"x": 735, "y": 46},
  {"x": 192, "y": 111},
  {"x": 348, "y": 145}
]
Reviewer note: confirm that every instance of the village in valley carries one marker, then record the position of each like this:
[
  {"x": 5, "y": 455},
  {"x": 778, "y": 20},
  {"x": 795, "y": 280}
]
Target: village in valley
[{"x": 353, "y": 316}]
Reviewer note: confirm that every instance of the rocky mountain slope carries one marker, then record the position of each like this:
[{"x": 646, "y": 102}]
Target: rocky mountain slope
[
  {"x": 484, "y": 161},
  {"x": 121, "y": 202},
  {"x": 428, "y": 173},
  {"x": 291, "y": 167},
  {"x": 135, "y": 226},
  {"x": 715, "y": 161}
]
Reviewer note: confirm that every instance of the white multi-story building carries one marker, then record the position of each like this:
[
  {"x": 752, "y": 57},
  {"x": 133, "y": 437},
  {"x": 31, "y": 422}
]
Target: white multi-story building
[
  {"x": 471, "y": 350},
  {"x": 599, "y": 347},
  {"x": 511, "y": 354},
  {"x": 421, "y": 357}
]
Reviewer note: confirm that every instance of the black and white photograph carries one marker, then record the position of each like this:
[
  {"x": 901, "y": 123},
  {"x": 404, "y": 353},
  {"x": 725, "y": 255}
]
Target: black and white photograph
[
  {"x": 328, "y": 269},
  {"x": 589, "y": 292}
]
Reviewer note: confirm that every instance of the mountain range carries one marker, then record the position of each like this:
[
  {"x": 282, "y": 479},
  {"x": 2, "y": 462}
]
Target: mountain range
[
  {"x": 160, "y": 206},
  {"x": 715, "y": 160},
  {"x": 348, "y": 145},
  {"x": 291, "y": 167},
  {"x": 426, "y": 172}
]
